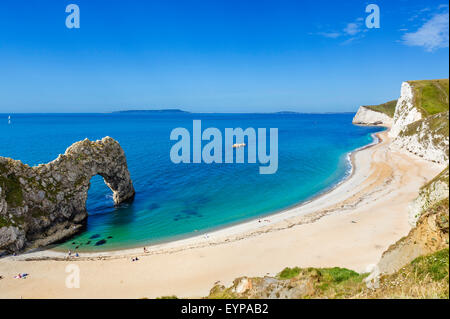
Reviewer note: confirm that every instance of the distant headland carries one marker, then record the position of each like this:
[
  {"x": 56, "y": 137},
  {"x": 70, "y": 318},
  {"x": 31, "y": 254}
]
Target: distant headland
[{"x": 153, "y": 111}]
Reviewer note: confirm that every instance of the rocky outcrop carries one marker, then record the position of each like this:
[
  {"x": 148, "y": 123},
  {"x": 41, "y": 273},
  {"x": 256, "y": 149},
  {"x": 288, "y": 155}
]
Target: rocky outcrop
[
  {"x": 47, "y": 203},
  {"x": 418, "y": 128},
  {"x": 405, "y": 111},
  {"x": 427, "y": 138},
  {"x": 429, "y": 235},
  {"x": 430, "y": 194},
  {"x": 429, "y": 216},
  {"x": 420, "y": 119},
  {"x": 366, "y": 116},
  {"x": 266, "y": 288}
]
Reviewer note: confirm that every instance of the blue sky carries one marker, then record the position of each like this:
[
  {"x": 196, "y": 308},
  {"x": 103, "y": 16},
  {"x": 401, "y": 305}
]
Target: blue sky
[{"x": 216, "y": 56}]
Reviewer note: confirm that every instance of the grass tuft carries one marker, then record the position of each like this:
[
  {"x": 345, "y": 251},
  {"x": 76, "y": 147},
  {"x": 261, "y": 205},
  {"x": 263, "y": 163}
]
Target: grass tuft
[{"x": 288, "y": 273}]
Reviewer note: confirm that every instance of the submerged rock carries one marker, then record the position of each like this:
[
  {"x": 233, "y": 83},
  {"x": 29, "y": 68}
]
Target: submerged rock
[
  {"x": 47, "y": 203},
  {"x": 100, "y": 242}
]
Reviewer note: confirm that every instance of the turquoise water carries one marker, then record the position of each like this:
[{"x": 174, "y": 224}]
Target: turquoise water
[{"x": 175, "y": 201}]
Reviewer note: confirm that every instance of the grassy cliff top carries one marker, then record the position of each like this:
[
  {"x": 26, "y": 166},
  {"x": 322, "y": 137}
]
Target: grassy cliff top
[
  {"x": 431, "y": 96},
  {"x": 387, "y": 108},
  {"x": 424, "y": 277}
]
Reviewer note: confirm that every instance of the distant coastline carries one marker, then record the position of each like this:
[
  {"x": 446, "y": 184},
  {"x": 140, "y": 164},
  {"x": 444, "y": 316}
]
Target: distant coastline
[{"x": 153, "y": 111}]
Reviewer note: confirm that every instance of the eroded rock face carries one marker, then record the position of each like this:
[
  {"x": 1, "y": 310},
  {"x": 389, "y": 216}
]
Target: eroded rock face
[
  {"x": 427, "y": 138},
  {"x": 430, "y": 235},
  {"x": 405, "y": 111},
  {"x": 47, "y": 203},
  {"x": 267, "y": 288},
  {"x": 411, "y": 130},
  {"x": 430, "y": 194},
  {"x": 365, "y": 116}
]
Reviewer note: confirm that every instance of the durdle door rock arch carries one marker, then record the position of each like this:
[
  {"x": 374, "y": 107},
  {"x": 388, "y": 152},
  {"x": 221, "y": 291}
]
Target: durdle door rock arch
[{"x": 44, "y": 204}]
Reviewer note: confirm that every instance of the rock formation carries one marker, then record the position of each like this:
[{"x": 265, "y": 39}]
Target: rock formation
[
  {"x": 405, "y": 111},
  {"x": 44, "y": 204},
  {"x": 366, "y": 116},
  {"x": 427, "y": 138},
  {"x": 429, "y": 235},
  {"x": 413, "y": 128},
  {"x": 429, "y": 216},
  {"x": 421, "y": 126},
  {"x": 431, "y": 193}
]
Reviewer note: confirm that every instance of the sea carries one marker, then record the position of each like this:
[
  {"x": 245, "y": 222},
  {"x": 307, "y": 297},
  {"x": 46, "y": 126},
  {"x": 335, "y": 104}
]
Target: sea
[{"x": 175, "y": 201}]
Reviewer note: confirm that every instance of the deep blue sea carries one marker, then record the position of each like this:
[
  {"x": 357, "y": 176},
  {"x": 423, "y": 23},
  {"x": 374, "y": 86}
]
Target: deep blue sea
[{"x": 179, "y": 200}]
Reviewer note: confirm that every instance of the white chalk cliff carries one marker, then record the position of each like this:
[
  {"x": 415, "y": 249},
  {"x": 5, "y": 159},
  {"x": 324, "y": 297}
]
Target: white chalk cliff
[
  {"x": 410, "y": 129},
  {"x": 426, "y": 140},
  {"x": 405, "y": 111},
  {"x": 366, "y": 116}
]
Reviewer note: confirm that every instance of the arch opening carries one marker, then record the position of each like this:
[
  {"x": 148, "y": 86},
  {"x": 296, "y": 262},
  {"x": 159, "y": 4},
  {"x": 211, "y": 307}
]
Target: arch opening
[{"x": 100, "y": 197}]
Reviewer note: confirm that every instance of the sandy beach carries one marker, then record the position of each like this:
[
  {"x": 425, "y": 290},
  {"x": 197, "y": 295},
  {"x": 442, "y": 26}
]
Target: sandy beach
[{"x": 349, "y": 226}]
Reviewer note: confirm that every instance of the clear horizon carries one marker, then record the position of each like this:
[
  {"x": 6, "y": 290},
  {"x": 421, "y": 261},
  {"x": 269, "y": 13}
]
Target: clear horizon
[
  {"x": 186, "y": 112},
  {"x": 216, "y": 57}
]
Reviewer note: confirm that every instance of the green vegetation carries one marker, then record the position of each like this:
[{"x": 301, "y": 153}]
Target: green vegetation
[
  {"x": 167, "y": 297},
  {"x": 4, "y": 222},
  {"x": 436, "y": 126},
  {"x": 12, "y": 189},
  {"x": 435, "y": 265},
  {"x": 439, "y": 124},
  {"x": 431, "y": 96},
  {"x": 220, "y": 292},
  {"x": 333, "y": 282},
  {"x": 328, "y": 275},
  {"x": 442, "y": 217},
  {"x": 425, "y": 277},
  {"x": 387, "y": 108},
  {"x": 338, "y": 275},
  {"x": 288, "y": 273}
]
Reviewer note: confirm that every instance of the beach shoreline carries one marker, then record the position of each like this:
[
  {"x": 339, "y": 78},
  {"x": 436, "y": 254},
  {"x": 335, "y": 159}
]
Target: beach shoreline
[
  {"x": 246, "y": 225},
  {"x": 349, "y": 226}
]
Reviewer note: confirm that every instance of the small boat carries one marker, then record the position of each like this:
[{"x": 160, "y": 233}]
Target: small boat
[
  {"x": 9, "y": 119},
  {"x": 239, "y": 145}
]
